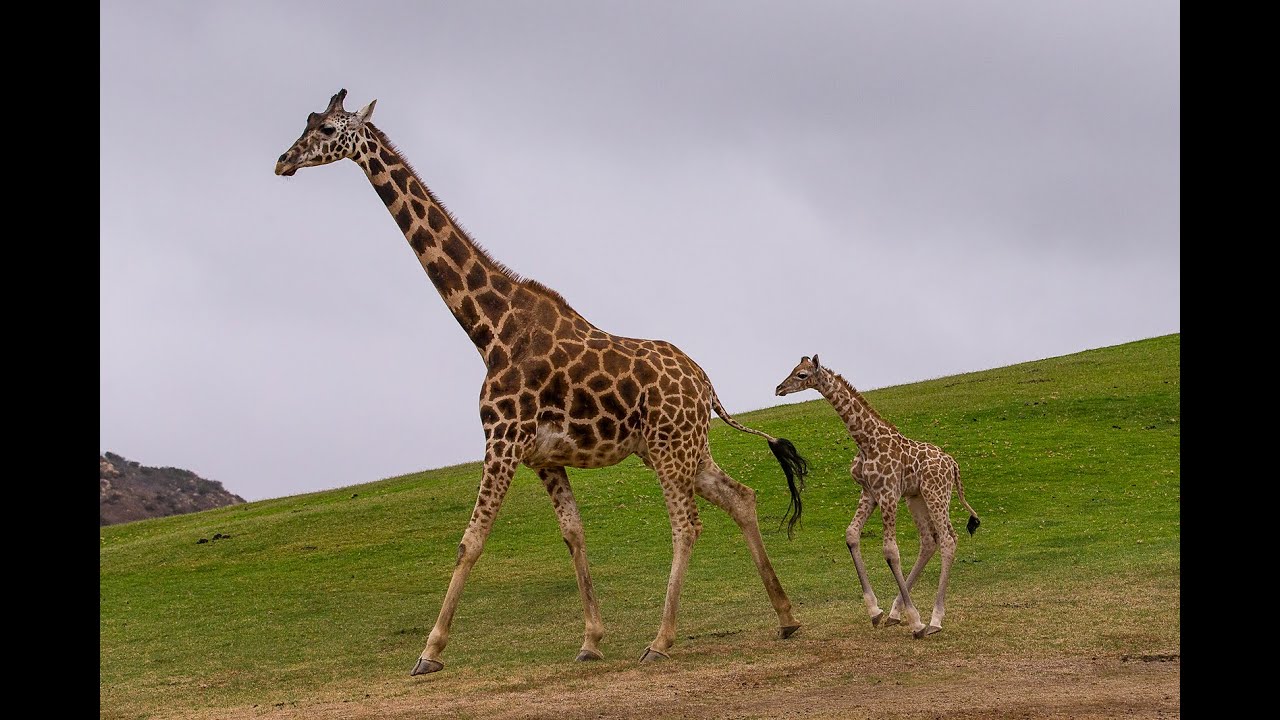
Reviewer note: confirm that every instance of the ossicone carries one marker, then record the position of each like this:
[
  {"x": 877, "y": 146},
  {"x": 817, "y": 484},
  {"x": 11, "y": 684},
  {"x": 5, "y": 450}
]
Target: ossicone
[{"x": 335, "y": 102}]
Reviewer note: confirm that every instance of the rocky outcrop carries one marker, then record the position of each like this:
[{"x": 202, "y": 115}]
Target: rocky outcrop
[{"x": 131, "y": 491}]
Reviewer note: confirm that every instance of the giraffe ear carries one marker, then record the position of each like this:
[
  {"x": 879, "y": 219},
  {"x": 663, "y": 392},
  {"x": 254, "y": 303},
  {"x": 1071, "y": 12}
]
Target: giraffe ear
[
  {"x": 816, "y": 364},
  {"x": 365, "y": 112}
]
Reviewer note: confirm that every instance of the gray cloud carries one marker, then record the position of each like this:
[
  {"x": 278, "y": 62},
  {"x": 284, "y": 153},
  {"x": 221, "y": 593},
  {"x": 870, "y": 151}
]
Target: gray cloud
[{"x": 910, "y": 189}]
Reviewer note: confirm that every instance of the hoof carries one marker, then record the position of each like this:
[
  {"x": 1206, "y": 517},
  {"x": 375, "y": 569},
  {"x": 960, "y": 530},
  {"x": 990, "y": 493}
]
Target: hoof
[
  {"x": 651, "y": 655},
  {"x": 588, "y": 656},
  {"x": 787, "y": 631},
  {"x": 425, "y": 666},
  {"x": 931, "y": 629},
  {"x": 891, "y": 620},
  {"x": 875, "y": 621}
]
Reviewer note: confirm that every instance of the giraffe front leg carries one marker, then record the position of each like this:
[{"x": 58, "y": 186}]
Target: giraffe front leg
[
  {"x": 677, "y": 489},
  {"x": 493, "y": 488},
  {"x": 928, "y": 544},
  {"x": 889, "y": 512},
  {"x": 853, "y": 541},
  {"x": 556, "y": 481}
]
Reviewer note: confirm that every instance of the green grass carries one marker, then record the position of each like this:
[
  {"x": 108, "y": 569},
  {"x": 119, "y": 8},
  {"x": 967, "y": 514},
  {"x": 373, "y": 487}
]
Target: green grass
[{"x": 1072, "y": 463}]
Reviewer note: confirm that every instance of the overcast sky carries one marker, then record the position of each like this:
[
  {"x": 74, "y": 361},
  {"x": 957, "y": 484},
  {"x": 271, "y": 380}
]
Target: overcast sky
[{"x": 910, "y": 189}]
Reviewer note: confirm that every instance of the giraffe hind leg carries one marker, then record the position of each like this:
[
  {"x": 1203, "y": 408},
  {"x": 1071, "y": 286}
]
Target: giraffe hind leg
[
  {"x": 889, "y": 513},
  {"x": 938, "y": 511},
  {"x": 739, "y": 501},
  {"x": 928, "y": 545}
]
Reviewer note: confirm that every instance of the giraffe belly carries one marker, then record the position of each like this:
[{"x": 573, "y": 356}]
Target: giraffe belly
[{"x": 554, "y": 446}]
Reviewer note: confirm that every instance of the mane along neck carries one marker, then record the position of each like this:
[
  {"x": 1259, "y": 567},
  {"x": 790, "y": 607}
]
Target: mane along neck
[
  {"x": 480, "y": 291},
  {"x": 859, "y": 417}
]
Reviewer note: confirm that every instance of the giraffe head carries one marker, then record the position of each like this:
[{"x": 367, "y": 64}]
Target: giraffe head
[
  {"x": 330, "y": 135},
  {"x": 803, "y": 377}
]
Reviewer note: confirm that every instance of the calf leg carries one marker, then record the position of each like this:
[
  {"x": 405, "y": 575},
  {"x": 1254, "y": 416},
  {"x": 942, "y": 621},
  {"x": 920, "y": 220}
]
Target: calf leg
[
  {"x": 928, "y": 545},
  {"x": 889, "y": 511},
  {"x": 853, "y": 541}
]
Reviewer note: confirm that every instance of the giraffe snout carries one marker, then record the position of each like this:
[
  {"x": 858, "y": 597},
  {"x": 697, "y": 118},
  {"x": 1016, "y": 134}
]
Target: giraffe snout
[{"x": 284, "y": 167}]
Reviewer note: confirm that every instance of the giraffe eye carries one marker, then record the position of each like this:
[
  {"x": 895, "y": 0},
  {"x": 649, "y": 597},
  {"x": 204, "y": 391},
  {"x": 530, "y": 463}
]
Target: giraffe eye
[
  {"x": 328, "y": 130},
  {"x": 802, "y": 375}
]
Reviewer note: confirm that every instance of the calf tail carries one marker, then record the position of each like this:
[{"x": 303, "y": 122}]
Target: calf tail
[{"x": 974, "y": 522}]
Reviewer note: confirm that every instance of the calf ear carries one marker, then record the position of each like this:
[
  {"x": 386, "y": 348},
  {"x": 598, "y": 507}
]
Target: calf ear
[{"x": 816, "y": 365}]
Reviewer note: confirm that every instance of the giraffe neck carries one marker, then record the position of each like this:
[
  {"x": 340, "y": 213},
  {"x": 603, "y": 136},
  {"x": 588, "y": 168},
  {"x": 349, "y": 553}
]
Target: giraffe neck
[
  {"x": 478, "y": 290},
  {"x": 863, "y": 421}
]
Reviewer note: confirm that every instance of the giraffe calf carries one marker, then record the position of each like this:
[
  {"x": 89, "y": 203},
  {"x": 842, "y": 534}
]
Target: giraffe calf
[{"x": 889, "y": 467}]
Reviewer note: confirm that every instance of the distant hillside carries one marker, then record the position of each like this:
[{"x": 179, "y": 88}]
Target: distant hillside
[{"x": 131, "y": 491}]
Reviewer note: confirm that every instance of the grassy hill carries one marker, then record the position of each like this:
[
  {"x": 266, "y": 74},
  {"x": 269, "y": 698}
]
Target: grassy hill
[{"x": 324, "y": 599}]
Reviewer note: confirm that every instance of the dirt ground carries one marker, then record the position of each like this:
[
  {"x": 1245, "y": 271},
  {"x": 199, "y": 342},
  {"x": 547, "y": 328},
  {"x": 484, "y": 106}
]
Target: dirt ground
[{"x": 825, "y": 683}]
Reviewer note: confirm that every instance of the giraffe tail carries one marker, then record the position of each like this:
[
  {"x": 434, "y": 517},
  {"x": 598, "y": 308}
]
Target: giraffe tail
[
  {"x": 794, "y": 466},
  {"x": 974, "y": 522}
]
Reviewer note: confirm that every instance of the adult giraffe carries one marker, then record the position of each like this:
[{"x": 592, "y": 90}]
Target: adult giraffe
[{"x": 559, "y": 392}]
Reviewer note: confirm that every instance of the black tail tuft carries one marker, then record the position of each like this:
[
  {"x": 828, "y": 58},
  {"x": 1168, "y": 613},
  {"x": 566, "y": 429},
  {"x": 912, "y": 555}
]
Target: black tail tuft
[
  {"x": 795, "y": 468},
  {"x": 974, "y": 522}
]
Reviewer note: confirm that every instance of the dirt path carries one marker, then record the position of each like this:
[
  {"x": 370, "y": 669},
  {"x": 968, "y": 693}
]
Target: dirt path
[{"x": 825, "y": 685}]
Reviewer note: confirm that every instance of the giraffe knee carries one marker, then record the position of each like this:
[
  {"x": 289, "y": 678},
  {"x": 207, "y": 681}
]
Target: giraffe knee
[
  {"x": 891, "y": 553},
  {"x": 468, "y": 551},
  {"x": 572, "y": 537},
  {"x": 852, "y": 537},
  {"x": 686, "y": 534},
  {"x": 949, "y": 546},
  {"x": 694, "y": 522}
]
